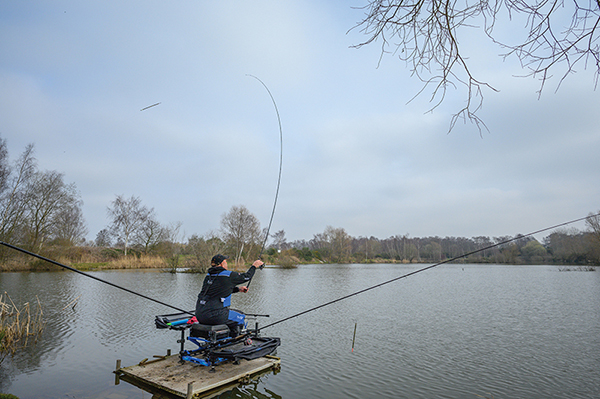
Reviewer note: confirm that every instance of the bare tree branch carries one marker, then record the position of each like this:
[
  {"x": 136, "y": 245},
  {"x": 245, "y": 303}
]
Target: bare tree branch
[{"x": 427, "y": 39}]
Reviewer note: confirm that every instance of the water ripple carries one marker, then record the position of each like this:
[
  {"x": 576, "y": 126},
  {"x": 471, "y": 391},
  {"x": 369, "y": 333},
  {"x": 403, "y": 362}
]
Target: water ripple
[{"x": 460, "y": 332}]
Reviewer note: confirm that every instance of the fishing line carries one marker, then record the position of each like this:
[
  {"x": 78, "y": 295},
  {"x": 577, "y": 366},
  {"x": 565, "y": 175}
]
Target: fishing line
[
  {"x": 426, "y": 268},
  {"x": 316, "y": 307},
  {"x": 89, "y": 275},
  {"x": 280, "y": 164}
]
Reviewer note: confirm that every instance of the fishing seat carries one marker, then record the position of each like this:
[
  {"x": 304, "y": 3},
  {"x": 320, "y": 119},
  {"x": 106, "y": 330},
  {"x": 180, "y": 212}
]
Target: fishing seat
[
  {"x": 217, "y": 343},
  {"x": 208, "y": 332}
]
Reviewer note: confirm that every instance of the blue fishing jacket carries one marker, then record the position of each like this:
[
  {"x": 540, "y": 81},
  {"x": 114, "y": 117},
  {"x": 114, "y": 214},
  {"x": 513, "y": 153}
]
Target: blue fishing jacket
[{"x": 212, "y": 306}]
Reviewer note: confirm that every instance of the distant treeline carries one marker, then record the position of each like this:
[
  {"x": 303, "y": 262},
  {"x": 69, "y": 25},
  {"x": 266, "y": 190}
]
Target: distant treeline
[
  {"x": 562, "y": 247},
  {"x": 41, "y": 213}
]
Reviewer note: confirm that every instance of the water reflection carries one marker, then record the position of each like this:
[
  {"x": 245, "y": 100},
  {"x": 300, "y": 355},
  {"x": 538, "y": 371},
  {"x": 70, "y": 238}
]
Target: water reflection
[{"x": 253, "y": 389}]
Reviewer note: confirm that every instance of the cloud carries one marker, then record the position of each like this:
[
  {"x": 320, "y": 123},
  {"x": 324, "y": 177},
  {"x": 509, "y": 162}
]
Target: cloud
[{"x": 356, "y": 155}]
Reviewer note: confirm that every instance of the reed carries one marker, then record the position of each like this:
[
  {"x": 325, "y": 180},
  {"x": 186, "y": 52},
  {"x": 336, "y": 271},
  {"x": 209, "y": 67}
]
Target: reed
[
  {"x": 19, "y": 327},
  {"x": 134, "y": 262}
]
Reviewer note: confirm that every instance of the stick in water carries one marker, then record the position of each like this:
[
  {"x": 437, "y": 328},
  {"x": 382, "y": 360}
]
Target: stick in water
[{"x": 354, "y": 336}]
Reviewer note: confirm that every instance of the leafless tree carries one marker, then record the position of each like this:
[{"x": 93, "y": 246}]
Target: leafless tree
[
  {"x": 426, "y": 35},
  {"x": 339, "y": 244},
  {"x": 103, "y": 238},
  {"x": 14, "y": 196},
  {"x": 4, "y": 165},
  {"x": 279, "y": 239},
  {"x": 593, "y": 222},
  {"x": 127, "y": 216},
  {"x": 203, "y": 248},
  {"x": 432, "y": 250},
  {"x": 49, "y": 201},
  {"x": 172, "y": 232},
  {"x": 171, "y": 244},
  {"x": 70, "y": 227},
  {"x": 367, "y": 247},
  {"x": 149, "y": 233},
  {"x": 241, "y": 230},
  {"x": 37, "y": 207}
]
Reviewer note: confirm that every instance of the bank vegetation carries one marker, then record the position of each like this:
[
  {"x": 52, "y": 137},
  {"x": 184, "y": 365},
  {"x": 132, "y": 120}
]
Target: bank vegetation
[
  {"x": 41, "y": 213},
  {"x": 19, "y": 325},
  {"x": 580, "y": 249}
]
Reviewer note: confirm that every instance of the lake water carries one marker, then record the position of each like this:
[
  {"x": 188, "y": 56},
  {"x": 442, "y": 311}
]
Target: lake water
[{"x": 455, "y": 331}]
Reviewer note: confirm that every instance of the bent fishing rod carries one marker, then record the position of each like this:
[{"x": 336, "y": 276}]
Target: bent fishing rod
[
  {"x": 90, "y": 276},
  {"x": 280, "y": 167},
  {"x": 147, "y": 297},
  {"x": 518, "y": 237}
]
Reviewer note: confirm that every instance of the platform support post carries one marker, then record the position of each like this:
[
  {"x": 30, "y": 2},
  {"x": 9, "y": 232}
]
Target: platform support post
[
  {"x": 182, "y": 342},
  {"x": 117, "y": 372},
  {"x": 190, "y": 390}
]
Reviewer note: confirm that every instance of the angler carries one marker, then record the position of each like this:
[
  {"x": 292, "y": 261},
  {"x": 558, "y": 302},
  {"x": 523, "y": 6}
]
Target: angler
[{"x": 214, "y": 300}]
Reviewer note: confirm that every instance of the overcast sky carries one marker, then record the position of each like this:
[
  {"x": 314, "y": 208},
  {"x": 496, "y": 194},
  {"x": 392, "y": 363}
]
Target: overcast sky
[{"x": 74, "y": 76}]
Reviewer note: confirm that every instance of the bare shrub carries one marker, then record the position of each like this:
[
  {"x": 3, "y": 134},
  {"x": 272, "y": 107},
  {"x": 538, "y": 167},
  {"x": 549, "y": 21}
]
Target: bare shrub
[{"x": 18, "y": 327}]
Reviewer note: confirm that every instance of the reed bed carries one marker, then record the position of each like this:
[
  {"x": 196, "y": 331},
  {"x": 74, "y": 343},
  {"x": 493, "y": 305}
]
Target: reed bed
[
  {"x": 130, "y": 262},
  {"x": 133, "y": 262},
  {"x": 19, "y": 327}
]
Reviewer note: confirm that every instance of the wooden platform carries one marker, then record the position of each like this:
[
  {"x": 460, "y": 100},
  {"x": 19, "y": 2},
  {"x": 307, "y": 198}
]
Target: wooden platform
[{"x": 187, "y": 380}]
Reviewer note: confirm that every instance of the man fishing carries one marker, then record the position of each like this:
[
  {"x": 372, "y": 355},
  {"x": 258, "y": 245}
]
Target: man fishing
[{"x": 214, "y": 299}]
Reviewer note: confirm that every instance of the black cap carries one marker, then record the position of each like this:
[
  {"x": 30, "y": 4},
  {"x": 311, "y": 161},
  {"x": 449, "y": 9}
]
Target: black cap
[{"x": 218, "y": 259}]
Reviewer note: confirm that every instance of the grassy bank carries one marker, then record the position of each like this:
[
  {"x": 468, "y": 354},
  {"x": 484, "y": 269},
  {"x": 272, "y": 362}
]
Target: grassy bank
[
  {"x": 83, "y": 259},
  {"x": 134, "y": 262},
  {"x": 103, "y": 259}
]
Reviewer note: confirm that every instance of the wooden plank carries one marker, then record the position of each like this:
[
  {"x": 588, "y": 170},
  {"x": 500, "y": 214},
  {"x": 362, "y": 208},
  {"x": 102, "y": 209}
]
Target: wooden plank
[{"x": 172, "y": 376}]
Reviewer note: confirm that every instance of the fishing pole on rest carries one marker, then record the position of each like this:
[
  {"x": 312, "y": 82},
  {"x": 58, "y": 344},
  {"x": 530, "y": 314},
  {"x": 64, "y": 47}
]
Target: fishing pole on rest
[
  {"x": 316, "y": 307},
  {"x": 90, "y": 276},
  {"x": 280, "y": 167},
  {"x": 518, "y": 237}
]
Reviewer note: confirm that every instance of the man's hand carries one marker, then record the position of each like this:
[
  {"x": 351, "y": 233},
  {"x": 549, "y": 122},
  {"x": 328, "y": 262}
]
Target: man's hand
[
  {"x": 243, "y": 289},
  {"x": 258, "y": 263}
]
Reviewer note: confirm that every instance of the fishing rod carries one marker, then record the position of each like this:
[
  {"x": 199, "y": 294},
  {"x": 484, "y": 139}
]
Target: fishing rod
[
  {"x": 427, "y": 268},
  {"x": 147, "y": 297},
  {"x": 89, "y": 275},
  {"x": 316, "y": 307},
  {"x": 280, "y": 165}
]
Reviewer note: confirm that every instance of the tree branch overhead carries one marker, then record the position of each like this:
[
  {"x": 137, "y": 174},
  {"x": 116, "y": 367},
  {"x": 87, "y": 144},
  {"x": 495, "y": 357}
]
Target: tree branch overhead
[{"x": 427, "y": 34}]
